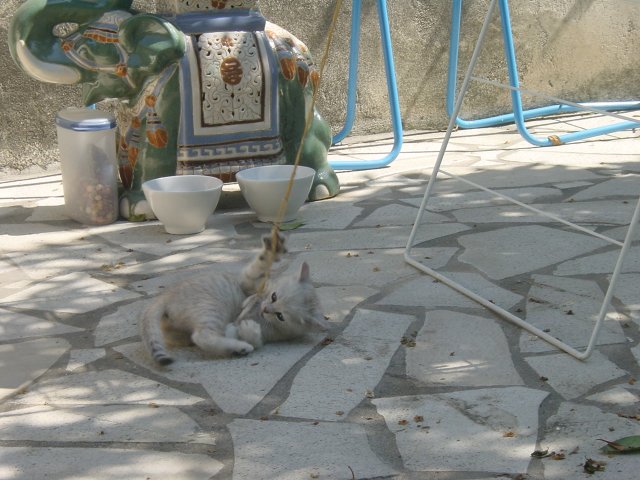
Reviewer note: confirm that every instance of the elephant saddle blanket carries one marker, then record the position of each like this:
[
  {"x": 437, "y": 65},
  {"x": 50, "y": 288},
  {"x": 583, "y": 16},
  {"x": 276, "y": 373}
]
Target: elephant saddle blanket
[{"x": 229, "y": 90}]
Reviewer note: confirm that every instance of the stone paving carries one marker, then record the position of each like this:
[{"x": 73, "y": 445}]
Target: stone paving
[{"x": 414, "y": 381}]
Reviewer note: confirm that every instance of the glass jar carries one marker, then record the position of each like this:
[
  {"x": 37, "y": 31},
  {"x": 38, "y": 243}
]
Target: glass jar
[{"x": 87, "y": 143}]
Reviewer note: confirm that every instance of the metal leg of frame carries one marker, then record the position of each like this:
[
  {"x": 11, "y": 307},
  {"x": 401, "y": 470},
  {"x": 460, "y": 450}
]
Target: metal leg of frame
[
  {"x": 392, "y": 88},
  {"x": 581, "y": 355}
]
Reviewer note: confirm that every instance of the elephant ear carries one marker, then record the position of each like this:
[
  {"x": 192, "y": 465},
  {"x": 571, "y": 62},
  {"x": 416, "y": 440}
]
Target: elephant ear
[{"x": 152, "y": 43}]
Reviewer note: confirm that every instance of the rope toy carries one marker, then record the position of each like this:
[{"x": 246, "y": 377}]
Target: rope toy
[{"x": 307, "y": 125}]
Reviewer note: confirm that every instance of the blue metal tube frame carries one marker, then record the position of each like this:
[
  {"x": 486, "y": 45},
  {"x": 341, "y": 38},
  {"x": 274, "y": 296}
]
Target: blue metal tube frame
[
  {"x": 354, "y": 61},
  {"x": 392, "y": 87},
  {"x": 519, "y": 116}
]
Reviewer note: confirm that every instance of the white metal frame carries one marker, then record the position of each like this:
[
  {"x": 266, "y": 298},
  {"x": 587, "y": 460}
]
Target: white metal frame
[{"x": 580, "y": 355}]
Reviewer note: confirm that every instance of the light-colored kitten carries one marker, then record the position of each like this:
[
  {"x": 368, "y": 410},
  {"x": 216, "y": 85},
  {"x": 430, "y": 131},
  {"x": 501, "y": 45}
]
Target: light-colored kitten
[{"x": 224, "y": 314}]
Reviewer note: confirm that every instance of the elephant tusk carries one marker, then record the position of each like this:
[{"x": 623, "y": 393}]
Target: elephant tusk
[{"x": 44, "y": 71}]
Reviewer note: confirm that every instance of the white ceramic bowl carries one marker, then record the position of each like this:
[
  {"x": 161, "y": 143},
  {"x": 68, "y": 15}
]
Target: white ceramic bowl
[
  {"x": 183, "y": 202},
  {"x": 264, "y": 188}
]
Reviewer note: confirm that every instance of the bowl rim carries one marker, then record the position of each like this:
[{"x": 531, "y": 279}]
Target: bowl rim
[
  {"x": 303, "y": 172},
  {"x": 153, "y": 183}
]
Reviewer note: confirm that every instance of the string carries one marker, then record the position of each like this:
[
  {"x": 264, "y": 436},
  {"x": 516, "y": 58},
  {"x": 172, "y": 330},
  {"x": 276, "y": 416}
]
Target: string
[{"x": 307, "y": 125}]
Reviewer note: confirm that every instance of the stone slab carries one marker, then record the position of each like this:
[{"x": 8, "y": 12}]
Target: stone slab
[
  {"x": 61, "y": 259},
  {"x": 102, "y": 388},
  {"x": 210, "y": 256},
  {"x": 508, "y": 176},
  {"x": 102, "y": 423},
  {"x": 568, "y": 185},
  {"x": 338, "y": 302},
  {"x": 554, "y": 160},
  {"x": 150, "y": 237},
  {"x": 624, "y": 185},
  {"x": 456, "y": 349},
  {"x": 601, "y": 263},
  {"x": 271, "y": 450},
  {"x": 49, "y": 210},
  {"x": 573, "y": 378},
  {"x": 485, "y": 430},
  {"x": 628, "y": 292},
  {"x": 17, "y": 326},
  {"x": 574, "y": 430},
  {"x": 425, "y": 291},
  {"x": 373, "y": 267},
  {"x": 618, "y": 396},
  {"x": 31, "y": 191},
  {"x": 620, "y": 233},
  {"x": 395, "y": 214},
  {"x": 352, "y": 192},
  {"x": 82, "y": 357},
  {"x": 73, "y": 463},
  {"x": 465, "y": 200},
  {"x": 394, "y": 180},
  {"x": 32, "y": 237},
  {"x": 444, "y": 186},
  {"x": 155, "y": 285},
  {"x": 10, "y": 211},
  {"x": 612, "y": 212},
  {"x": 121, "y": 324},
  {"x": 567, "y": 309},
  {"x": 636, "y": 353},
  {"x": 235, "y": 384},
  {"x": 329, "y": 215},
  {"x": 515, "y": 250},
  {"x": 369, "y": 238},
  {"x": 12, "y": 278},
  {"x": 23, "y": 362},
  {"x": 361, "y": 353},
  {"x": 71, "y": 293}
]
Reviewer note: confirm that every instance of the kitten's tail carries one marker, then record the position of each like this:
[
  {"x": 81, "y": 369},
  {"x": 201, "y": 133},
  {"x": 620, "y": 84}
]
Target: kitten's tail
[{"x": 151, "y": 332}]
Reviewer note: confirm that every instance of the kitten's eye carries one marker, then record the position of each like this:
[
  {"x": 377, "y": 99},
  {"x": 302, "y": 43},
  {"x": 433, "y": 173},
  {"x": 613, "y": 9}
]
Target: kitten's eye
[
  {"x": 279, "y": 316},
  {"x": 274, "y": 297}
]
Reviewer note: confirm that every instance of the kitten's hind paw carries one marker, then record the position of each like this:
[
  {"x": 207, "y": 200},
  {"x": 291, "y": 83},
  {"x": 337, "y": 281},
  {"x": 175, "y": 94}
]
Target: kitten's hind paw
[
  {"x": 163, "y": 360},
  {"x": 242, "y": 351}
]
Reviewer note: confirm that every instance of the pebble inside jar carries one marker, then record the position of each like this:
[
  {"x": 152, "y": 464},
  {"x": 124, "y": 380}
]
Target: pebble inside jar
[{"x": 87, "y": 142}]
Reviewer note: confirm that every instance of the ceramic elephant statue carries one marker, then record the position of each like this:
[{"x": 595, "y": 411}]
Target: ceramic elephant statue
[{"x": 204, "y": 87}]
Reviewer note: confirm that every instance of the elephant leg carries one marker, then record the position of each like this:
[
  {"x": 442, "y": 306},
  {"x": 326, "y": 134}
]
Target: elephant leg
[
  {"x": 150, "y": 163},
  {"x": 314, "y": 155},
  {"x": 148, "y": 145},
  {"x": 293, "y": 105},
  {"x": 134, "y": 206},
  {"x": 325, "y": 185},
  {"x": 153, "y": 163}
]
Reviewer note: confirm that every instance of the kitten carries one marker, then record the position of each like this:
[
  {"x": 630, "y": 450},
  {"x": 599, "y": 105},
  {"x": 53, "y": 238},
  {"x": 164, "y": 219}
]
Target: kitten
[{"x": 224, "y": 314}]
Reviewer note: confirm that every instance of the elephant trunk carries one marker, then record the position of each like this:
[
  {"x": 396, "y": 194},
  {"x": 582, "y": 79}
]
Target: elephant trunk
[
  {"x": 44, "y": 71},
  {"x": 35, "y": 47}
]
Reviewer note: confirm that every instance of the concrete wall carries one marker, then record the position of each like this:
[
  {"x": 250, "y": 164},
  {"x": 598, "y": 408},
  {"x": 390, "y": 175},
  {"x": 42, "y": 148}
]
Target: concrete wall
[{"x": 575, "y": 49}]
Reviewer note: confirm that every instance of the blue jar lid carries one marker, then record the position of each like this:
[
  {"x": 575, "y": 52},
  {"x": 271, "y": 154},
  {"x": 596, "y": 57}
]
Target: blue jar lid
[{"x": 85, "y": 119}]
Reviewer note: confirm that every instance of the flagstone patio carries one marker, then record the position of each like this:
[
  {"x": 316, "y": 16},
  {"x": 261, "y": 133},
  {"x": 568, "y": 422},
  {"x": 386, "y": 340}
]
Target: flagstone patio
[{"x": 413, "y": 381}]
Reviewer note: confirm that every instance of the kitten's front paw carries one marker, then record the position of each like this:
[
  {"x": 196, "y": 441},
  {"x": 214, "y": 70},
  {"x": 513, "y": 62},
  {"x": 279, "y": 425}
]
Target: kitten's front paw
[
  {"x": 250, "y": 331},
  {"x": 231, "y": 331},
  {"x": 279, "y": 247}
]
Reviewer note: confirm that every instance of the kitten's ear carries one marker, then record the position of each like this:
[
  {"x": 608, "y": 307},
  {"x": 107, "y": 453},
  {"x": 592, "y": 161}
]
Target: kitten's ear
[{"x": 305, "y": 275}]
